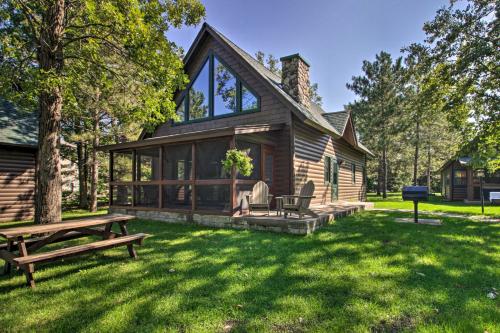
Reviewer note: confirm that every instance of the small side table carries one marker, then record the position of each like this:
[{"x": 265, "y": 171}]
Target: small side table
[{"x": 279, "y": 205}]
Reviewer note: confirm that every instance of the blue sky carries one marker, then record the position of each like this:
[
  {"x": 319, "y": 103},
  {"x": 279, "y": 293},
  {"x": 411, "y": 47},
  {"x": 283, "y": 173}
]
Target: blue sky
[{"x": 334, "y": 36}]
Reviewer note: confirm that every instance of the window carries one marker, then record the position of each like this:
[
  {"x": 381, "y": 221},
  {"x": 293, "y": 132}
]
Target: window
[
  {"x": 216, "y": 91},
  {"x": 224, "y": 90},
  {"x": 199, "y": 94},
  {"x": 253, "y": 151},
  {"x": 328, "y": 170},
  {"x": 177, "y": 162},
  {"x": 181, "y": 111},
  {"x": 148, "y": 164},
  {"x": 248, "y": 100},
  {"x": 353, "y": 173},
  {"x": 460, "y": 177},
  {"x": 122, "y": 166},
  {"x": 209, "y": 155}
]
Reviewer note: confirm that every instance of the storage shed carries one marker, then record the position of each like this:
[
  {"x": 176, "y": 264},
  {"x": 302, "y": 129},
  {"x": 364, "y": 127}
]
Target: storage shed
[{"x": 18, "y": 147}]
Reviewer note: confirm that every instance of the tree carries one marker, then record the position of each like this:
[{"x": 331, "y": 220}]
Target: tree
[
  {"x": 377, "y": 111},
  {"x": 272, "y": 64},
  {"x": 46, "y": 45},
  {"x": 464, "y": 47}
]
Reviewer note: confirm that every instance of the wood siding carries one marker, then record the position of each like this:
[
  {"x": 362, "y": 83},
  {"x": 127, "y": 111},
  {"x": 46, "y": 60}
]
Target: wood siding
[
  {"x": 272, "y": 110},
  {"x": 17, "y": 183},
  {"x": 310, "y": 148}
]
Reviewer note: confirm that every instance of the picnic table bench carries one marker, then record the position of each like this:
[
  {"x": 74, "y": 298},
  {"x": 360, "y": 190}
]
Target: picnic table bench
[{"x": 18, "y": 251}]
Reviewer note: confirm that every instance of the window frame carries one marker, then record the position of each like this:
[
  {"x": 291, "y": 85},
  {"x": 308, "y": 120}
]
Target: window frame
[
  {"x": 327, "y": 174},
  {"x": 184, "y": 96},
  {"x": 353, "y": 173}
]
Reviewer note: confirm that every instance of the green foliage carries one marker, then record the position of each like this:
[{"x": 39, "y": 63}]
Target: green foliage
[
  {"x": 240, "y": 160},
  {"x": 117, "y": 47},
  {"x": 464, "y": 46}
]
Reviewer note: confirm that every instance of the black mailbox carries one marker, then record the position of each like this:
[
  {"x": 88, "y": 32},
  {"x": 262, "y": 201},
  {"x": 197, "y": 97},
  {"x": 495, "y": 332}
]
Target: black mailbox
[
  {"x": 415, "y": 194},
  {"x": 412, "y": 193}
]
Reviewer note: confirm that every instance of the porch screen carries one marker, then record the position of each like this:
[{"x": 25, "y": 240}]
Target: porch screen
[
  {"x": 253, "y": 151},
  {"x": 122, "y": 166},
  {"x": 209, "y": 155},
  {"x": 213, "y": 197},
  {"x": 148, "y": 164},
  {"x": 177, "y": 196},
  {"x": 177, "y": 162},
  {"x": 146, "y": 195}
]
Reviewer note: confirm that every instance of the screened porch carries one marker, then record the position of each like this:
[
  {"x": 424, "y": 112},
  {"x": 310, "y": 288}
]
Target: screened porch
[{"x": 187, "y": 176}]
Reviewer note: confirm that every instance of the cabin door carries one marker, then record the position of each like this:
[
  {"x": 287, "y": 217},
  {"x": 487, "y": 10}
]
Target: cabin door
[
  {"x": 335, "y": 180},
  {"x": 268, "y": 167}
]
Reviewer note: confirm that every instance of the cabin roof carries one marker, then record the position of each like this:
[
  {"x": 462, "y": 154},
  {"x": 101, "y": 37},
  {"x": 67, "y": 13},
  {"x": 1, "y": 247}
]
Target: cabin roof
[{"x": 18, "y": 126}]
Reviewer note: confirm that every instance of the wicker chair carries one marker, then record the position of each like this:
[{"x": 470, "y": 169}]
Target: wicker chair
[
  {"x": 259, "y": 199},
  {"x": 299, "y": 204}
]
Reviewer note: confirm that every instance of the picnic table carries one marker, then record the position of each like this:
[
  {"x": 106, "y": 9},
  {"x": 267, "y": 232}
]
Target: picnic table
[{"x": 23, "y": 241}]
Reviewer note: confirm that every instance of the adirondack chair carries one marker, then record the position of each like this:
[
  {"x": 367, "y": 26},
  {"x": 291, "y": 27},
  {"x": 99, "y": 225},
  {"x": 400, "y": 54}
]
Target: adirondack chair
[
  {"x": 299, "y": 204},
  {"x": 259, "y": 198}
]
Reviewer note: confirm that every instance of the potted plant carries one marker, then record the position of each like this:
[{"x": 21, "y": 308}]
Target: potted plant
[{"x": 238, "y": 159}]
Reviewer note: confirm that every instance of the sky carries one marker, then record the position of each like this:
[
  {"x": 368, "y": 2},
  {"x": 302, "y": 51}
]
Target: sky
[{"x": 334, "y": 36}]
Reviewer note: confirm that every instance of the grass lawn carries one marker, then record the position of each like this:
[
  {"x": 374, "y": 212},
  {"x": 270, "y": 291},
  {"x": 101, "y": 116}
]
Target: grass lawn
[
  {"x": 435, "y": 203},
  {"x": 360, "y": 273}
]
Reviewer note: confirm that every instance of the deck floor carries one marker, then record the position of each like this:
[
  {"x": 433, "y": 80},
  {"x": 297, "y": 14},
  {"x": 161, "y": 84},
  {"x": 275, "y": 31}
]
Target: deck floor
[{"x": 293, "y": 224}]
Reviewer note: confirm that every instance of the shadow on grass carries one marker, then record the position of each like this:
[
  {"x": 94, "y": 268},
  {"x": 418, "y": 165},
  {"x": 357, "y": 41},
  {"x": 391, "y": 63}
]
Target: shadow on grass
[{"x": 360, "y": 273}]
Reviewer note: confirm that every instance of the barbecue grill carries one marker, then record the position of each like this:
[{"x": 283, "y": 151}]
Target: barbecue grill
[{"x": 415, "y": 194}]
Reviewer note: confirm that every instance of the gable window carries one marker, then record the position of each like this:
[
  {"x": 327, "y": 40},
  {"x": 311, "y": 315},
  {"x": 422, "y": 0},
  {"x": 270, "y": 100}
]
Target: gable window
[
  {"x": 224, "y": 90},
  {"x": 328, "y": 169},
  {"x": 216, "y": 91},
  {"x": 353, "y": 173},
  {"x": 199, "y": 94}
]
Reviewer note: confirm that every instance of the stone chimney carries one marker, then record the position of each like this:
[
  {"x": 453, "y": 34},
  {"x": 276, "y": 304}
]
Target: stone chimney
[{"x": 295, "y": 78}]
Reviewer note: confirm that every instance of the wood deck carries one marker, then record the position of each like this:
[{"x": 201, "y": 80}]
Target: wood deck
[{"x": 294, "y": 225}]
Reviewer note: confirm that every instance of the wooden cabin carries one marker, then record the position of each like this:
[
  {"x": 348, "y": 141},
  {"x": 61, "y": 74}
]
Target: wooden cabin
[
  {"x": 459, "y": 182},
  {"x": 18, "y": 146},
  {"x": 233, "y": 101}
]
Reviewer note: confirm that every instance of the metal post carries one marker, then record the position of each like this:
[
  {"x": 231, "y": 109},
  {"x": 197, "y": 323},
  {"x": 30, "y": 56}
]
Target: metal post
[
  {"x": 481, "y": 193},
  {"x": 415, "y": 207}
]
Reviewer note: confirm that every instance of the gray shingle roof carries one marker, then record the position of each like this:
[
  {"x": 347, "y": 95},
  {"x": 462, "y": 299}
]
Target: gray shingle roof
[
  {"x": 337, "y": 119},
  {"x": 18, "y": 126},
  {"x": 314, "y": 115}
]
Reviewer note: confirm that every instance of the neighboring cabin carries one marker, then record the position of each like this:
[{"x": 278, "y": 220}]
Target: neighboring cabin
[
  {"x": 234, "y": 101},
  {"x": 18, "y": 149},
  {"x": 459, "y": 182},
  {"x": 18, "y": 145}
]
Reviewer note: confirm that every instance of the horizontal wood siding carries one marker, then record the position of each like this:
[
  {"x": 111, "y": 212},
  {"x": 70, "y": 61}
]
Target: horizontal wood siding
[
  {"x": 310, "y": 148},
  {"x": 272, "y": 111},
  {"x": 17, "y": 184}
]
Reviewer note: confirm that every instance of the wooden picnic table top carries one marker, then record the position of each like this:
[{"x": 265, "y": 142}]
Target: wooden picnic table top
[{"x": 69, "y": 225}]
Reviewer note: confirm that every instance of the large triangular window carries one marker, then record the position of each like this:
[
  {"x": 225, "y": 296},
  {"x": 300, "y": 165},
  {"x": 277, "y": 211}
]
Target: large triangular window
[
  {"x": 216, "y": 91},
  {"x": 199, "y": 94}
]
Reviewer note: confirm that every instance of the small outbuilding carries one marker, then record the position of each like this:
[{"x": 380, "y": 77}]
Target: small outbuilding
[
  {"x": 18, "y": 148},
  {"x": 459, "y": 182}
]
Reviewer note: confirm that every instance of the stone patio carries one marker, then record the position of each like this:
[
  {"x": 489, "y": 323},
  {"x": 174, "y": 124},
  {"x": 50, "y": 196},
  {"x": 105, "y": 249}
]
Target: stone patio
[{"x": 259, "y": 220}]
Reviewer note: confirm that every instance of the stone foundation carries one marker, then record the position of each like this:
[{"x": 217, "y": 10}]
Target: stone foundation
[{"x": 271, "y": 223}]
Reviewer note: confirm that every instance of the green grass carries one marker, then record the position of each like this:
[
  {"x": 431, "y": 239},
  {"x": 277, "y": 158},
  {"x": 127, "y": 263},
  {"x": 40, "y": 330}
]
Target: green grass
[
  {"x": 435, "y": 204},
  {"x": 361, "y": 273}
]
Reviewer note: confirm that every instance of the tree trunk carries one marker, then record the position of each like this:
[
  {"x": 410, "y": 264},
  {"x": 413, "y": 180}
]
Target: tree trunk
[
  {"x": 429, "y": 187},
  {"x": 94, "y": 173},
  {"x": 379, "y": 177},
  {"x": 50, "y": 59},
  {"x": 82, "y": 176},
  {"x": 415, "y": 159},
  {"x": 384, "y": 170}
]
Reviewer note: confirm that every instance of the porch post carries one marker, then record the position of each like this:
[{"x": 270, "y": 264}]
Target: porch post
[
  {"x": 232, "y": 145},
  {"x": 192, "y": 177},
  {"x": 110, "y": 179},
  {"x": 160, "y": 175}
]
